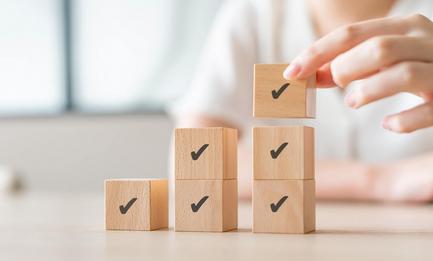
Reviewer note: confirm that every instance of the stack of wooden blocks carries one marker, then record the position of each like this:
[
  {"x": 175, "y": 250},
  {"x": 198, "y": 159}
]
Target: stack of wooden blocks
[
  {"x": 283, "y": 157},
  {"x": 206, "y": 195}
]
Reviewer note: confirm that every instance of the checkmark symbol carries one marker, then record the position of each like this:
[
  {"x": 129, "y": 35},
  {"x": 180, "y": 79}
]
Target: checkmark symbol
[
  {"x": 280, "y": 202},
  {"x": 275, "y": 154},
  {"x": 124, "y": 209},
  {"x": 196, "y": 207},
  {"x": 196, "y": 155},
  {"x": 276, "y": 93}
]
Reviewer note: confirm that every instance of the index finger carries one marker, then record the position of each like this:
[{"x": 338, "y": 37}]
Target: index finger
[{"x": 339, "y": 41}]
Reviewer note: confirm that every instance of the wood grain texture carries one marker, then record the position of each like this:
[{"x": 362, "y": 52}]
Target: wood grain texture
[
  {"x": 217, "y": 214},
  {"x": 295, "y": 216},
  {"x": 230, "y": 139},
  {"x": 217, "y": 161},
  {"x": 298, "y": 100},
  {"x": 158, "y": 204},
  {"x": 295, "y": 161},
  {"x": 148, "y": 212}
]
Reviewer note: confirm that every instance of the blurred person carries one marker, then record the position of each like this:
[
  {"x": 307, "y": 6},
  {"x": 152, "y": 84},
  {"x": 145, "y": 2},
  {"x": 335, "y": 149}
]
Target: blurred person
[{"x": 380, "y": 52}]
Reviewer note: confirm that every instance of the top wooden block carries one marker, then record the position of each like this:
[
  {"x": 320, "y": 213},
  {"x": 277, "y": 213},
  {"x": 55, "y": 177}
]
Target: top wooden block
[
  {"x": 276, "y": 97},
  {"x": 206, "y": 153}
]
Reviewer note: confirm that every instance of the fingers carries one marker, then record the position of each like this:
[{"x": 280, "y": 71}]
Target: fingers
[
  {"x": 427, "y": 96},
  {"x": 410, "y": 120},
  {"x": 339, "y": 41},
  {"x": 324, "y": 77},
  {"x": 377, "y": 53},
  {"x": 402, "y": 77}
]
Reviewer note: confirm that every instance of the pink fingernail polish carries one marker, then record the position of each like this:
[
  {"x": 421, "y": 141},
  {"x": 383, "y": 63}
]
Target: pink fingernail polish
[
  {"x": 385, "y": 124},
  {"x": 392, "y": 124},
  {"x": 350, "y": 100},
  {"x": 292, "y": 71}
]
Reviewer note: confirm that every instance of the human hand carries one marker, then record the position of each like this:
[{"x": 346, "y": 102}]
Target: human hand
[
  {"x": 409, "y": 181},
  {"x": 387, "y": 55},
  {"x": 402, "y": 181}
]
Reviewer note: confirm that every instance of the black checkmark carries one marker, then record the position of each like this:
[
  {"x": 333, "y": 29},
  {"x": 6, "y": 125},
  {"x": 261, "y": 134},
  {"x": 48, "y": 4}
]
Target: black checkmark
[
  {"x": 196, "y": 155},
  {"x": 196, "y": 207},
  {"x": 124, "y": 209},
  {"x": 280, "y": 202},
  {"x": 274, "y": 154},
  {"x": 276, "y": 94}
]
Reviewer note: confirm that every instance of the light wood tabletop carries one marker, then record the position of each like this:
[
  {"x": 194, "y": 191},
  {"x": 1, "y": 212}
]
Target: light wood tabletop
[{"x": 71, "y": 227}]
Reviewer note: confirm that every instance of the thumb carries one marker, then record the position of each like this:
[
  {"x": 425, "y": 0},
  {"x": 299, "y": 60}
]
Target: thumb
[{"x": 324, "y": 77}]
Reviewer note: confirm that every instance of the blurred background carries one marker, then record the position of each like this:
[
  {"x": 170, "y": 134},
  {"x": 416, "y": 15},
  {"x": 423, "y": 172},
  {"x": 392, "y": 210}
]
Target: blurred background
[{"x": 84, "y": 84}]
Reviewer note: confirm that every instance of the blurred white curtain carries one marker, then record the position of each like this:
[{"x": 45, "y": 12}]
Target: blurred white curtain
[
  {"x": 134, "y": 53},
  {"x": 31, "y": 54}
]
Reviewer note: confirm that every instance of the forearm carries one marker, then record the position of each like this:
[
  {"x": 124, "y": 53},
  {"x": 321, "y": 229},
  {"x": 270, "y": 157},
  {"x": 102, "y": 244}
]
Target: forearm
[
  {"x": 409, "y": 180},
  {"x": 345, "y": 180}
]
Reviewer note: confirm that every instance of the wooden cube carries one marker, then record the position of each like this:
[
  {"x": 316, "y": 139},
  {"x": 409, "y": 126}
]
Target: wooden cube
[
  {"x": 136, "y": 204},
  {"x": 276, "y": 97},
  {"x": 283, "y": 152},
  {"x": 206, "y": 153},
  {"x": 283, "y": 206},
  {"x": 206, "y": 205}
]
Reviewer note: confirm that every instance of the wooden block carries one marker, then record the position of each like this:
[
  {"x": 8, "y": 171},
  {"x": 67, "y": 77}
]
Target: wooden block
[
  {"x": 276, "y": 97},
  {"x": 206, "y": 153},
  {"x": 136, "y": 204},
  {"x": 283, "y": 152},
  {"x": 206, "y": 205},
  {"x": 283, "y": 206}
]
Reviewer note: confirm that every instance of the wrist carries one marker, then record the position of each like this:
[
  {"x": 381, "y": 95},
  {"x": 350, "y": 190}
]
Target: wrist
[
  {"x": 367, "y": 186},
  {"x": 379, "y": 181}
]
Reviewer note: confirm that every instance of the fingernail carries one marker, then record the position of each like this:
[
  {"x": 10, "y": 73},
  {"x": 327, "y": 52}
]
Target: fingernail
[
  {"x": 392, "y": 124},
  {"x": 385, "y": 124},
  {"x": 350, "y": 100},
  {"x": 292, "y": 71}
]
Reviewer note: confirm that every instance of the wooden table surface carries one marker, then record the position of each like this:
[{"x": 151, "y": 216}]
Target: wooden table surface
[{"x": 70, "y": 227}]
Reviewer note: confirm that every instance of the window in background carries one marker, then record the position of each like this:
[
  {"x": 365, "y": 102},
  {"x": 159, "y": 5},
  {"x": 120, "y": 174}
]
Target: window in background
[
  {"x": 98, "y": 55},
  {"x": 31, "y": 62},
  {"x": 134, "y": 54}
]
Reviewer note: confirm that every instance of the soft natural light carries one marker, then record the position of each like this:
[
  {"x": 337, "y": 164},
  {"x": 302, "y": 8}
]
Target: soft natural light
[
  {"x": 126, "y": 55},
  {"x": 31, "y": 65},
  {"x": 134, "y": 54}
]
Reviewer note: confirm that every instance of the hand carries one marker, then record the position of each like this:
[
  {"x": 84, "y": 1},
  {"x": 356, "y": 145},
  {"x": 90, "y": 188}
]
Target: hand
[
  {"x": 405, "y": 181},
  {"x": 388, "y": 55}
]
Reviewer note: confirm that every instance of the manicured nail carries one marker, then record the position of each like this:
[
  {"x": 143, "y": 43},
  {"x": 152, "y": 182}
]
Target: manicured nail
[
  {"x": 350, "y": 100},
  {"x": 385, "y": 124},
  {"x": 292, "y": 71},
  {"x": 392, "y": 124}
]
